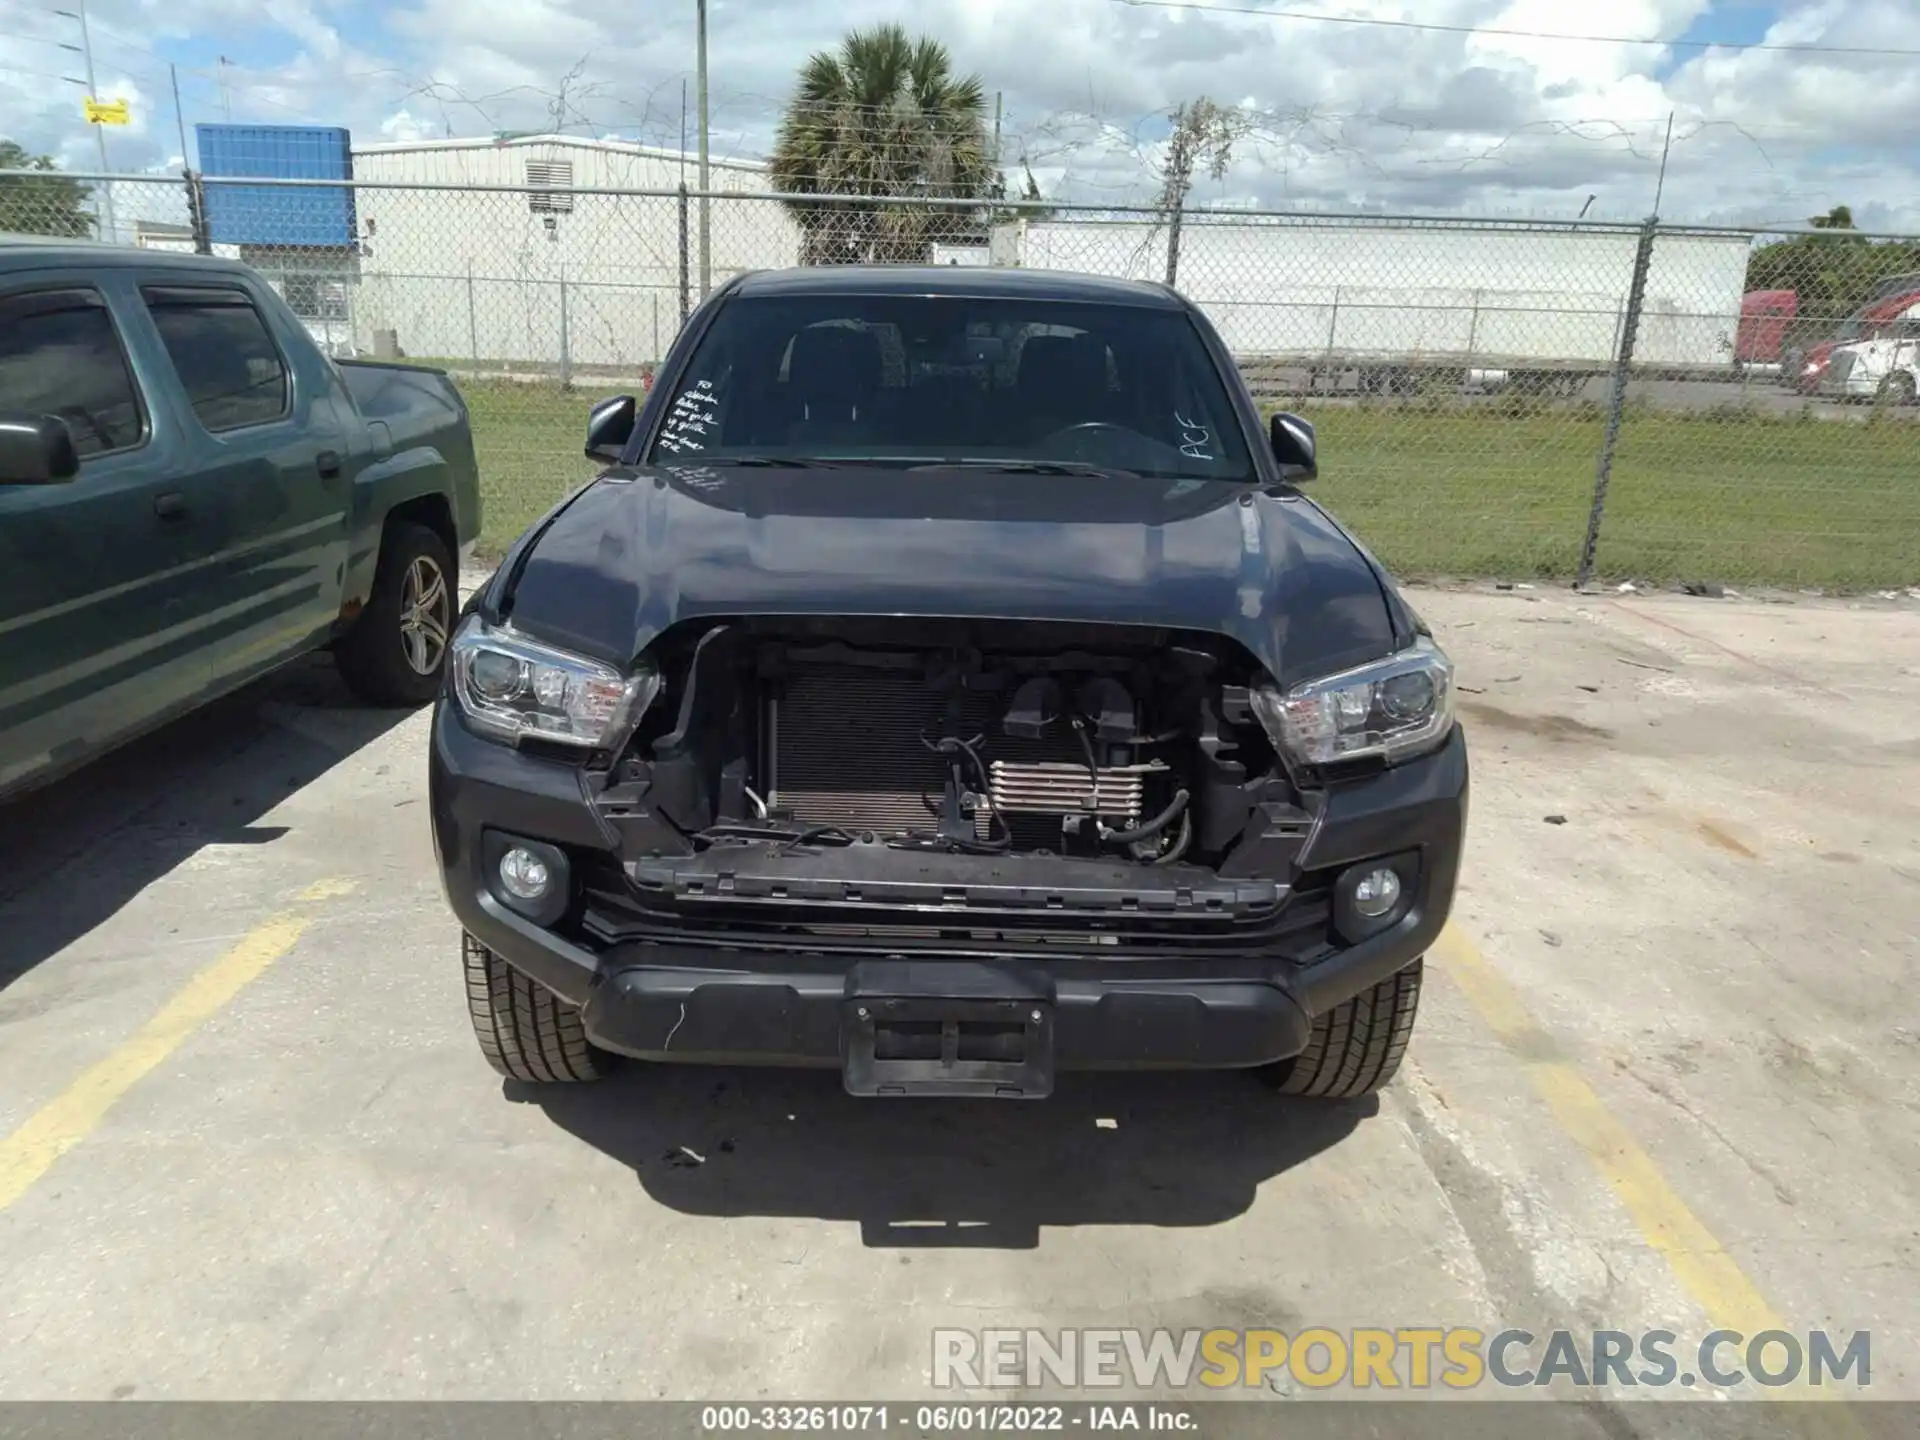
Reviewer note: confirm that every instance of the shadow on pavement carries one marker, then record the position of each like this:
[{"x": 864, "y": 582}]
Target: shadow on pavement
[
  {"x": 80, "y": 849},
  {"x": 1148, "y": 1149}
]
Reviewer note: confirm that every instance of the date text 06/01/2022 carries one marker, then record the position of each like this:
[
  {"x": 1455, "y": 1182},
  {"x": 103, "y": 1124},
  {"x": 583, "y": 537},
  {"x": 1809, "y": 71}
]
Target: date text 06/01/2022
[{"x": 932, "y": 1419}]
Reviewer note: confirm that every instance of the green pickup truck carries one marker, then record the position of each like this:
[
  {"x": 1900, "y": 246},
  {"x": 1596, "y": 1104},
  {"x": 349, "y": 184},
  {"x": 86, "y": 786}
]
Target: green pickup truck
[{"x": 191, "y": 494}]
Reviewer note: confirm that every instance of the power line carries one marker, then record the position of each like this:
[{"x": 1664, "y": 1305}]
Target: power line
[
  {"x": 1674, "y": 44},
  {"x": 42, "y": 40},
  {"x": 42, "y": 74},
  {"x": 209, "y": 79},
  {"x": 101, "y": 35}
]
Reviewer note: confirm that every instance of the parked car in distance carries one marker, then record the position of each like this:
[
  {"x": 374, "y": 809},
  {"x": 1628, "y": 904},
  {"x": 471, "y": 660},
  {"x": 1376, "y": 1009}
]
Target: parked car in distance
[
  {"x": 1872, "y": 355},
  {"x": 192, "y": 494},
  {"x": 1882, "y": 359},
  {"x": 948, "y": 681}
]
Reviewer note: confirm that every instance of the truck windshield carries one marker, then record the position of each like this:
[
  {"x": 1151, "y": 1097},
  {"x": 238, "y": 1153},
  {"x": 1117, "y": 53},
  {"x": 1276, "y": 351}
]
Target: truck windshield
[{"x": 924, "y": 380}]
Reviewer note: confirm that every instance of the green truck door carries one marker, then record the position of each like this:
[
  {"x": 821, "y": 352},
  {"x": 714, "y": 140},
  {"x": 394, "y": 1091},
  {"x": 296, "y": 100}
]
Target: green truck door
[
  {"x": 94, "y": 589},
  {"x": 264, "y": 493}
]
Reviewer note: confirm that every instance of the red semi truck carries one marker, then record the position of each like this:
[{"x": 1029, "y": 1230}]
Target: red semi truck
[{"x": 1765, "y": 316}]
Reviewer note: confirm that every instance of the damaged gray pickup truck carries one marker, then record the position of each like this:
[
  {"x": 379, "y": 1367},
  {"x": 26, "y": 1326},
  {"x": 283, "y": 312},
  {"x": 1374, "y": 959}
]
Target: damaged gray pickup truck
[{"x": 948, "y": 682}]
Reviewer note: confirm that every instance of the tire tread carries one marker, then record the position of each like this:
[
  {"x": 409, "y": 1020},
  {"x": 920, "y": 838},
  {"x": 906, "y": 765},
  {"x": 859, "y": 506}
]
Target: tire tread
[
  {"x": 1355, "y": 1048},
  {"x": 525, "y": 1031}
]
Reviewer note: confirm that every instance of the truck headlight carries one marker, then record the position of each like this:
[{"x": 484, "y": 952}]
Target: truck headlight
[
  {"x": 510, "y": 687},
  {"x": 1390, "y": 710}
]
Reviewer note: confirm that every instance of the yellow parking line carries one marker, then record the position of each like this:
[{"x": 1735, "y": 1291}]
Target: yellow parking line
[
  {"x": 1699, "y": 1260},
  {"x": 29, "y": 1152},
  {"x": 1695, "y": 1255}
]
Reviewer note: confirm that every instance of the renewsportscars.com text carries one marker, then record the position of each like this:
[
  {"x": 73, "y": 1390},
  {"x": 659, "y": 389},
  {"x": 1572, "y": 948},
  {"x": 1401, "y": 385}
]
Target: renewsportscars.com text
[{"x": 1403, "y": 1358}]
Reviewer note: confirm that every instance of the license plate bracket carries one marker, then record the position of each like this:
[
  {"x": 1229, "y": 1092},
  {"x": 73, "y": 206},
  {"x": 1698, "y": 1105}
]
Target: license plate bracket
[{"x": 932, "y": 1046}]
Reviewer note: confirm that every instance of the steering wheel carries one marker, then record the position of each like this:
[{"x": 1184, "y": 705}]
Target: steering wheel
[{"x": 1072, "y": 436}]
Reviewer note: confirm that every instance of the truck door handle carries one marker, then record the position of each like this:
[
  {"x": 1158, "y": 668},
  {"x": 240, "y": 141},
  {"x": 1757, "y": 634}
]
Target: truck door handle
[
  {"x": 170, "y": 506},
  {"x": 328, "y": 464}
]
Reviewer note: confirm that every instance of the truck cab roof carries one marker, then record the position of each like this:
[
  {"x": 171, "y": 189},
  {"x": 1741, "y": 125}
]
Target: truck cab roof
[
  {"x": 37, "y": 252},
  {"x": 958, "y": 280}
]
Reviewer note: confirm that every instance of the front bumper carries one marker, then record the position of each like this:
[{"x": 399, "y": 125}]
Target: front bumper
[{"x": 735, "y": 1001}]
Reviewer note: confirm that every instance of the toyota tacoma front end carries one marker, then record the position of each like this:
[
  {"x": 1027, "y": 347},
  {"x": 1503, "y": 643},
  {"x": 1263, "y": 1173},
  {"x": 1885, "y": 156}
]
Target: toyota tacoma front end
[{"x": 917, "y": 700}]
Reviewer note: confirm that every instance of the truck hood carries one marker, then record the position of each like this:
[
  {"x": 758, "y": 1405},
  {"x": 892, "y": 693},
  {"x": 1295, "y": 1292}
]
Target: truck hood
[{"x": 638, "y": 551}]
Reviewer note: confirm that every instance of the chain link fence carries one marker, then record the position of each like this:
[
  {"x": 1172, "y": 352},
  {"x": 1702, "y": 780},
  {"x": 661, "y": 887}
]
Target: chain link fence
[{"x": 1654, "y": 402}]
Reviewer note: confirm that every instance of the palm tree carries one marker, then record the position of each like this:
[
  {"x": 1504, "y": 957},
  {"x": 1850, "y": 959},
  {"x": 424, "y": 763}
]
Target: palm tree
[{"x": 885, "y": 116}]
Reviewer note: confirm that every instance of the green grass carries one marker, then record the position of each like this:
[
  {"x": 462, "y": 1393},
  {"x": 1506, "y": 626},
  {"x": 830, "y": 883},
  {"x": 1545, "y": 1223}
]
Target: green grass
[
  {"x": 1709, "y": 496},
  {"x": 1501, "y": 491}
]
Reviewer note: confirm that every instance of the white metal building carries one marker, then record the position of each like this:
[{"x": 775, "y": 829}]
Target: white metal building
[
  {"x": 541, "y": 273},
  {"x": 1352, "y": 289}
]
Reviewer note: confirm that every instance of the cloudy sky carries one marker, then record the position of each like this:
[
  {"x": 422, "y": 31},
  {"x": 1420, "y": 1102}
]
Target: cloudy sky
[{"x": 1451, "y": 119}]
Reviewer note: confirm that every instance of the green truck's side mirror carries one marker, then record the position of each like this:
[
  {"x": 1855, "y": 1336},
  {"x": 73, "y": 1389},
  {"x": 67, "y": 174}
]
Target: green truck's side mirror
[{"x": 36, "y": 450}]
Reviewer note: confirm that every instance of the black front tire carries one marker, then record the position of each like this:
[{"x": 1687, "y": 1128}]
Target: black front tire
[
  {"x": 379, "y": 657},
  {"x": 525, "y": 1030},
  {"x": 1355, "y": 1048}
]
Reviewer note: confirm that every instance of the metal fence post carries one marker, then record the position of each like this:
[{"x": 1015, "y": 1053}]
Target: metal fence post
[
  {"x": 566, "y": 351},
  {"x": 473, "y": 329},
  {"x": 1617, "y": 402},
  {"x": 1173, "y": 243},
  {"x": 685, "y": 278},
  {"x": 197, "y": 214}
]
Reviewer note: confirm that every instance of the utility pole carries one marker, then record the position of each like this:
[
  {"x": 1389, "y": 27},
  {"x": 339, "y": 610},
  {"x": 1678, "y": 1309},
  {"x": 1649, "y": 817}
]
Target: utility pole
[
  {"x": 226, "y": 100},
  {"x": 99, "y": 130},
  {"x": 706, "y": 234},
  {"x": 179, "y": 117}
]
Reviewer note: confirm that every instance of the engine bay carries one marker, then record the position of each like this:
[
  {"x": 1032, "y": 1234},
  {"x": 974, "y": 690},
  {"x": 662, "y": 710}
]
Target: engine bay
[{"x": 1100, "y": 742}]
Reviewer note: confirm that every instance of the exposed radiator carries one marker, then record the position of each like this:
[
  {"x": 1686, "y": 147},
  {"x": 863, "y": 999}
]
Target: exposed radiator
[{"x": 846, "y": 750}]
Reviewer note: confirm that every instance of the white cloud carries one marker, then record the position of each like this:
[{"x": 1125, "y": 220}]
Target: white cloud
[
  {"x": 296, "y": 17},
  {"x": 404, "y": 125},
  {"x": 1385, "y": 118}
]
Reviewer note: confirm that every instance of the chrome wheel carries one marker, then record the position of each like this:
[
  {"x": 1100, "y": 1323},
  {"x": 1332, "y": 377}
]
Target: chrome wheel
[{"x": 426, "y": 615}]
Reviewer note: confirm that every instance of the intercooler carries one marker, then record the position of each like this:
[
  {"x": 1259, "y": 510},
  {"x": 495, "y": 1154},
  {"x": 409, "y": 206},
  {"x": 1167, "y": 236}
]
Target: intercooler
[{"x": 846, "y": 749}]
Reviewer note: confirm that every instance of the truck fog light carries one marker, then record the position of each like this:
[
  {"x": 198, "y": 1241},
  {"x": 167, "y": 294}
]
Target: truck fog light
[
  {"x": 529, "y": 877},
  {"x": 1372, "y": 897},
  {"x": 1376, "y": 893},
  {"x": 525, "y": 876}
]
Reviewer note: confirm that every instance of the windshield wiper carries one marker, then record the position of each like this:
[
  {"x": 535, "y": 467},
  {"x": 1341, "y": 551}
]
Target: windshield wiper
[
  {"x": 1026, "y": 467},
  {"x": 769, "y": 462}
]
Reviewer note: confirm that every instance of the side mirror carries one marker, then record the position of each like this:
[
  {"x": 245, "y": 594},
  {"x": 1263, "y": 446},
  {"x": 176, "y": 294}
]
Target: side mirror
[
  {"x": 609, "y": 426},
  {"x": 1294, "y": 447},
  {"x": 36, "y": 450}
]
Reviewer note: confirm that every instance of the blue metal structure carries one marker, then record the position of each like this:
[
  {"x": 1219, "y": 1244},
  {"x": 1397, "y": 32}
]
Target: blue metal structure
[{"x": 278, "y": 214}]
